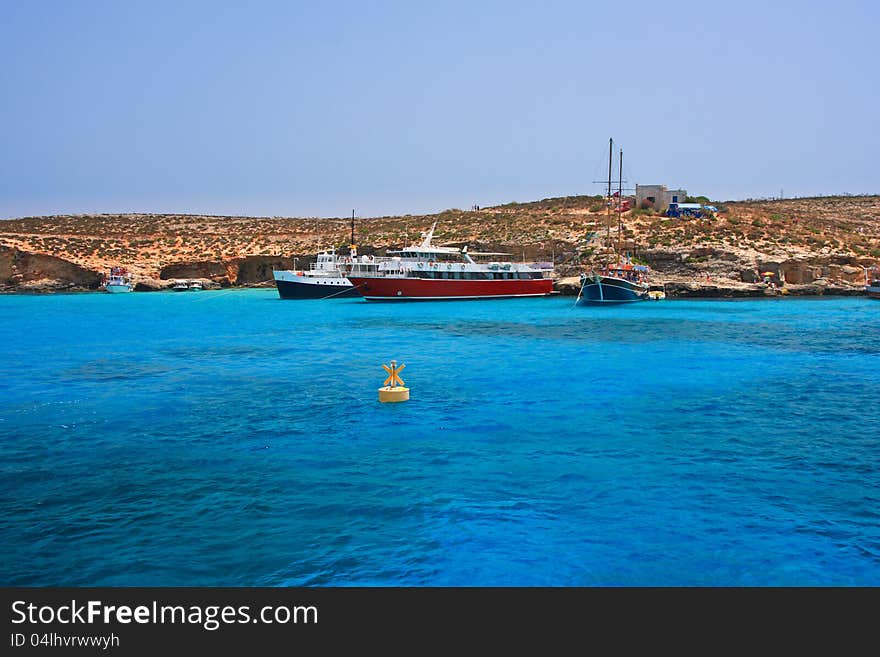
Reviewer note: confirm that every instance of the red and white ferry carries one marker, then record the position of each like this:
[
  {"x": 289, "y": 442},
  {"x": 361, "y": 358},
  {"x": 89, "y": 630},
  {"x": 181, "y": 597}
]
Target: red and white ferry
[{"x": 426, "y": 272}]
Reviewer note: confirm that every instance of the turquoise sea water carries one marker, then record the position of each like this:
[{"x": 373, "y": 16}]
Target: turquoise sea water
[{"x": 232, "y": 438}]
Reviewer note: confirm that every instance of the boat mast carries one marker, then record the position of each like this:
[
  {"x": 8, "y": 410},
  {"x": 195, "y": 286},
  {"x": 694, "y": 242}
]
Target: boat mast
[
  {"x": 608, "y": 198},
  {"x": 352, "y": 247},
  {"x": 620, "y": 203}
]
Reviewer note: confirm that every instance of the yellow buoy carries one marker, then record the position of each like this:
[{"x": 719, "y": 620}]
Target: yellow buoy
[{"x": 393, "y": 389}]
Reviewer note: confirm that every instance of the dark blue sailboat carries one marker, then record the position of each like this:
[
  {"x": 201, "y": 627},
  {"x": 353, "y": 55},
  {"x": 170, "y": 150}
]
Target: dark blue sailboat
[{"x": 620, "y": 281}]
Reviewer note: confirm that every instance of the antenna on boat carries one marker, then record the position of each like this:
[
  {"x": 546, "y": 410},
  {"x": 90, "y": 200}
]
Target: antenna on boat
[
  {"x": 620, "y": 204},
  {"x": 608, "y": 198},
  {"x": 427, "y": 241},
  {"x": 352, "y": 247}
]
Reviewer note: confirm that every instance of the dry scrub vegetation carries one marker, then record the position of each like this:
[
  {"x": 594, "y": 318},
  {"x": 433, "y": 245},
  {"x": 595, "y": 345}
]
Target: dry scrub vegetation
[{"x": 569, "y": 229}]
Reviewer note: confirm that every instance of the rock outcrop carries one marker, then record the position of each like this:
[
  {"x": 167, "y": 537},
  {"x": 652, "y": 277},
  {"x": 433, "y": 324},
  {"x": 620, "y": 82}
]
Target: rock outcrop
[
  {"x": 255, "y": 270},
  {"x": 152, "y": 285},
  {"x": 569, "y": 285},
  {"x": 39, "y": 272},
  {"x": 245, "y": 271}
]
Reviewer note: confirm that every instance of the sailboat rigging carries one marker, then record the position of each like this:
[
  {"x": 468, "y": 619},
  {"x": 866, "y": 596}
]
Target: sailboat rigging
[{"x": 619, "y": 280}]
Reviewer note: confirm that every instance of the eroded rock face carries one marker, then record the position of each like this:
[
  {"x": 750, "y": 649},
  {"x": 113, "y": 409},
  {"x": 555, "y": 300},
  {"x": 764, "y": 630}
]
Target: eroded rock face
[
  {"x": 248, "y": 270},
  {"x": 697, "y": 290},
  {"x": 202, "y": 269},
  {"x": 804, "y": 271},
  {"x": 569, "y": 285},
  {"x": 35, "y": 271},
  {"x": 7, "y": 259},
  {"x": 152, "y": 285},
  {"x": 663, "y": 259},
  {"x": 821, "y": 289},
  {"x": 258, "y": 269},
  {"x": 749, "y": 275},
  {"x": 710, "y": 253},
  {"x": 798, "y": 272}
]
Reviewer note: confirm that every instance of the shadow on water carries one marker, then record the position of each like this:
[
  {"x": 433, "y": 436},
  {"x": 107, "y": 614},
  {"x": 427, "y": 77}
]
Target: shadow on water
[
  {"x": 774, "y": 336},
  {"x": 114, "y": 370}
]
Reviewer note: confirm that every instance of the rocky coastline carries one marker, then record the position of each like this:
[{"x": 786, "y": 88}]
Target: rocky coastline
[
  {"x": 566, "y": 286},
  {"x": 678, "y": 289},
  {"x": 796, "y": 247}
]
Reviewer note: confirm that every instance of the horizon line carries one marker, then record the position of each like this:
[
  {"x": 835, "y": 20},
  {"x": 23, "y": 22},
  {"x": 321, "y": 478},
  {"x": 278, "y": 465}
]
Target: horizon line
[{"x": 426, "y": 214}]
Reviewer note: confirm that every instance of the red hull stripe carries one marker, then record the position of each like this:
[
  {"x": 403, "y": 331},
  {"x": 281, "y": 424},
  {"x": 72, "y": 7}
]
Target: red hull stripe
[{"x": 424, "y": 288}]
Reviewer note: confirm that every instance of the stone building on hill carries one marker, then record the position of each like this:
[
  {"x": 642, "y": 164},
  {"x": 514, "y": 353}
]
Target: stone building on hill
[{"x": 658, "y": 196}]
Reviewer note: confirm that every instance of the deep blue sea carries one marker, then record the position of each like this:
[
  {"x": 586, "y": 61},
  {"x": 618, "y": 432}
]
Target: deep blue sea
[{"x": 232, "y": 438}]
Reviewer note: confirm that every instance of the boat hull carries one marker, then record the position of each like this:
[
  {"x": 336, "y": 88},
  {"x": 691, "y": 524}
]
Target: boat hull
[
  {"x": 117, "y": 289},
  {"x": 873, "y": 291},
  {"x": 291, "y": 286},
  {"x": 425, "y": 289},
  {"x": 611, "y": 290}
]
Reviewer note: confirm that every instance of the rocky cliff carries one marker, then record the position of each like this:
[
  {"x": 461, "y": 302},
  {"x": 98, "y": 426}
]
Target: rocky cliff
[{"x": 25, "y": 271}]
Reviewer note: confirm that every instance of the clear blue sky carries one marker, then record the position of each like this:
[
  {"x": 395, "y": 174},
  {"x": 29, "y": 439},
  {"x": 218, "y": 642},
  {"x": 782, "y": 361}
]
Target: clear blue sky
[{"x": 318, "y": 108}]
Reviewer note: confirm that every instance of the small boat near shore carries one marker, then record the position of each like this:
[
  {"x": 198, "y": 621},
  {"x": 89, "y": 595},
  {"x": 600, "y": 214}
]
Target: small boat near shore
[
  {"x": 118, "y": 282},
  {"x": 657, "y": 292},
  {"x": 185, "y": 285}
]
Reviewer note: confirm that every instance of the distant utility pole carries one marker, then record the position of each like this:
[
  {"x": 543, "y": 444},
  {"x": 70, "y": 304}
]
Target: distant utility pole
[{"x": 780, "y": 194}]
